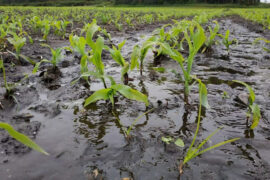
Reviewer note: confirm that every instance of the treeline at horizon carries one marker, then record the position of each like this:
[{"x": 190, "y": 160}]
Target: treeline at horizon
[{"x": 123, "y": 2}]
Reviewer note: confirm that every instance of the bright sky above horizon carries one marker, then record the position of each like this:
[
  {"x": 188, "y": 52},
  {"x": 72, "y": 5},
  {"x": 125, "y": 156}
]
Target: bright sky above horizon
[{"x": 266, "y": 1}]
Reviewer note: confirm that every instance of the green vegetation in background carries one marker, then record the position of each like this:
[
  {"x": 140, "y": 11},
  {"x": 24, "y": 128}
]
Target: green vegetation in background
[{"x": 124, "y": 2}]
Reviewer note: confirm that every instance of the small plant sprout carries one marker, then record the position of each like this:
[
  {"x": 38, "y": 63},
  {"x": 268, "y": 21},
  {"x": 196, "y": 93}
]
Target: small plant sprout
[
  {"x": 106, "y": 34},
  {"x": 78, "y": 44},
  {"x": 110, "y": 93},
  {"x": 193, "y": 150},
  {"x": 22, "y": 138},
  {"x": 127, "y": 131},
  {"x": 195, "y": 40},
  {"x": 210, "y": 40},
  {"x": 139, "y": 53},
  {"x": 226, "y": 41},
  {"x": 178, "y": 142},
  {"x": 56, "y": 58},
  {"x": 117, "y": 56},
  {"x": 253, "y": 108},
  {"x": 17, "y": 42},
  {"x": 225, "y": 95}
]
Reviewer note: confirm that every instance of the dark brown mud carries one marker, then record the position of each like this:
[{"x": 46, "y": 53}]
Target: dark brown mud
[{"x": 82, "y": 141}]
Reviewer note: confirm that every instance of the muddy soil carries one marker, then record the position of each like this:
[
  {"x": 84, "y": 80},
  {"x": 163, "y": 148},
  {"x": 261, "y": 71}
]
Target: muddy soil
[{"x": 83, "y": 142}]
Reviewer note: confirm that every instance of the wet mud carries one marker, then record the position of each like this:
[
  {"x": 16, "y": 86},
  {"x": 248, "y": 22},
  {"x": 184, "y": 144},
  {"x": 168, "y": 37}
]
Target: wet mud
[{"x": 84, "y": 143}]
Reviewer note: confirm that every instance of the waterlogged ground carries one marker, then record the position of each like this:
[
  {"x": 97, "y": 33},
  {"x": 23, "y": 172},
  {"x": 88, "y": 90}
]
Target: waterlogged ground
[{"x": 81, "y": 142}]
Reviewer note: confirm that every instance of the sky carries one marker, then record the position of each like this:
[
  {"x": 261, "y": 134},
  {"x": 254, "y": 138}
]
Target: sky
[{"x": 266, "y": 0}]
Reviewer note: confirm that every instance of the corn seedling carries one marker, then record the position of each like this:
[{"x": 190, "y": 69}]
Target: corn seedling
[
  {"x": 193, "y": 150},
  {"x": 56, "y": 58},
  {"x": 106, "y": 34},
  {"x": 17, "y": 42},
  {"x": 45, "y": 26},
  {"x": 178, "y": 142},
  {"x": 22, "y": 138},
  {"x": 195, "y": 40},
  {"x": 210, "y": 40},
  {"x": 254, "y": 109},
  {"x": 139, "y": 53},
  {"x": 118, "y": 25},
  {"x": 226, "y": 41},
  {"x": 61, "y": 27},
  {"x": 78, "y": 44}
]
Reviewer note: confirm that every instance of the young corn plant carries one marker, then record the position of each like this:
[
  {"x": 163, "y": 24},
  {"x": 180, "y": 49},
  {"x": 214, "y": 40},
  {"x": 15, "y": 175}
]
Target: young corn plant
[
  {"x": 195, "y": 40},
  {"x": 17, "y": 42},
  {"x": 193, "y": 150},
  {"x": 3, "y": 37},
  {"x": 210, "y": 41},
  {"x": 226, "y": 41},
  {"x": 110, "y": 93},
  {"x": 56, "y": 58},
  {"x": 117, "y": 56},
  {"x": 90, "y": 30},
  {"x": 61, "y": 27},
  {"x": 22, "y": 138},
  {"x": 45, "y": 26},
  {"x": 78, "y": 44},
  {"x": 95, "y": 58},
  {"x": 253, "y": 108},
  {"x": 139, "y": 53}
]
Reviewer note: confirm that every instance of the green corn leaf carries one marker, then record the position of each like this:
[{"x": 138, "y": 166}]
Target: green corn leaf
[
  {"x": 256, "y": 115},
  {"x": 196, "y": 149},
  {"x": 22, "y": 138},
  {"x": 124, "y": 70},
  {"x": 91, "y": 29},
  {"x": 134, "y": 57},
  {"x": 167, "y": 140},
  {"x": 198, "y": 38},
  {"x": 130, "y": 93},
  {"x": 216, "y": 146},
  {"x": 160, "y": 69},
  {"x": 227, "y": 34},
  {"x": 117, "y": 56},
  {"x": 179, "y": 142},
  {"x": 99, "y": 45},
  {"x": 251, "y": 92},
  {"x": 120, "y": 46},
  {"x": 38, "y": 64},
  {"x": 203, "y": 93},
  {"x": 102, "y": 94},
  {"x": 27, "y": 59},
  {"x": 204, "y": 99}
]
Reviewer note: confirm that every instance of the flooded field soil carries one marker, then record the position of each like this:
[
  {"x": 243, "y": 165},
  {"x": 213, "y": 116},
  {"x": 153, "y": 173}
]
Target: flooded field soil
[{"x": 86, "y": 142}]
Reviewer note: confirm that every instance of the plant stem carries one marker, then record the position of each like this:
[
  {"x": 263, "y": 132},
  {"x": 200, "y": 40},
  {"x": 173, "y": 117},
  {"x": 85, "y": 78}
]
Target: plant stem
[
  {"x": 141, "y": 68},
  {"x": 126, "y": 79},
  {"x": 104, "y": 83},
  {"x": 186, "y": 91},
  {"x": 197, "y": 130}
]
